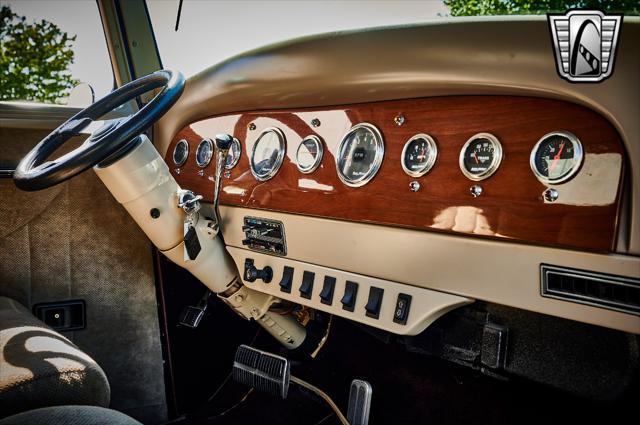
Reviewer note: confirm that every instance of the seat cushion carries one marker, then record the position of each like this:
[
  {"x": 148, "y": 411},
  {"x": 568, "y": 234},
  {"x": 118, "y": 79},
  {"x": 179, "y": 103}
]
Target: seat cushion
[
  {"x": 70, "y": 415},
  {"x": 39, "y": 367}
]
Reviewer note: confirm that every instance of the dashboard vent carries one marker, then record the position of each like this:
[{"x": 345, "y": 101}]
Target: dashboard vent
[{"x": 601, "y": 290}]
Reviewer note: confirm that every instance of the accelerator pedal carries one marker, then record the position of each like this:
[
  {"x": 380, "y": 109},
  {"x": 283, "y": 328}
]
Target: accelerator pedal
[
  {"x": 192, "y": 315},
  {"x": 359, "y": 402},
  {"x": 261, "y": 370}
]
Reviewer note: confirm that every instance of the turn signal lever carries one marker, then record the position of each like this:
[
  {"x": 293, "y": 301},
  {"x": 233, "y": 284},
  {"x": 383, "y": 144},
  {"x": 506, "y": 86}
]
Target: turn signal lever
[{"x": 223, "y": 143}]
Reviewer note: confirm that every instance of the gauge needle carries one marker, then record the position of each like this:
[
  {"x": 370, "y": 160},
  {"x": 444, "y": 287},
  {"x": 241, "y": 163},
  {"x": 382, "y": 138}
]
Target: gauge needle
[
  {"x": 475, "y": 156},
  {"x": 557, "y": 157}
]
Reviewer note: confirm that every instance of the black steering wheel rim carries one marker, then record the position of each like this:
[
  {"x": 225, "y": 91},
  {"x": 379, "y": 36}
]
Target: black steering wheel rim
[{"x": 34, "y": 172}]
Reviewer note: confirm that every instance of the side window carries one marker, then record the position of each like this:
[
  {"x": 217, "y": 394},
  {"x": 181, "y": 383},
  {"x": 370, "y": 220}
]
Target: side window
[{"x": 50, "y": 47}]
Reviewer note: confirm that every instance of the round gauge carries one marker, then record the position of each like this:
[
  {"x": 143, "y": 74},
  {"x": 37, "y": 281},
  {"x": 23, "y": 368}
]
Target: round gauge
[
  {"x": 204, "y": 153},
  {"x": 418, "y": 155},
  {"x": 557, "y": 157},
  {"x": 267, "y": 154},
  {"x": 309, "y": 154},
  {"x": 233, "y": 156},
  {"x": 180, "y": 152},
  {"x": 360, "y": 155},
  {"x": 480, "y": 157}
]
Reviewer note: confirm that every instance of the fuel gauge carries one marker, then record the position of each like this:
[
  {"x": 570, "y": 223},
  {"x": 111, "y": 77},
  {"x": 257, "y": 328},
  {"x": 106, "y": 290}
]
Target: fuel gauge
[{"x": 418, "y": 155}]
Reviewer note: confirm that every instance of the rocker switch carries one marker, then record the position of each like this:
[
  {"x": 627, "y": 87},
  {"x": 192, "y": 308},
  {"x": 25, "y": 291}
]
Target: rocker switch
[
  {"x": 307, "y": 284},
  {"x": 374, "y": 302},
  {"x": 287, "y": 279},
  {"x": 326, "y": 295},
  {"x": 401, "y": 312},
  {"x": 349, "y": 298}
]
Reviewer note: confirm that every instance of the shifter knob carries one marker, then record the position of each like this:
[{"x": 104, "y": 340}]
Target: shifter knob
[{"x": 223, "y": 141}]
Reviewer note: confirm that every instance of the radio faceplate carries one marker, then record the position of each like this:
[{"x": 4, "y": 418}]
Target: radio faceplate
[{"x": 264, "y": 235}]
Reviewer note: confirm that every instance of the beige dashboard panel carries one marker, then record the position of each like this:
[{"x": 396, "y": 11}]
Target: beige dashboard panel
[
  {"x": 482, "y": 269},
  {"x": 426, "y": 305},
  {"x": 494, "y": 55}
]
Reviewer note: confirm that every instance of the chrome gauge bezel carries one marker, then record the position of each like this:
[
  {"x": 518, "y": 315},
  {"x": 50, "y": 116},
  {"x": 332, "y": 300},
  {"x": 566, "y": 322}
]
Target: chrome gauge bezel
[
  {"x": 431, "y": 160},
  {"x": 578, "y": 154},
  {"x": 318, "y": 159},
  {"x": 377, "y": 160},
  {"x": 495, "y": 163},
  {"x": 186, "y": 156},
  {"x": 279, "y": 158},
  {"x": 235, "y": 160},
  {"x": 202, "y": 143}
]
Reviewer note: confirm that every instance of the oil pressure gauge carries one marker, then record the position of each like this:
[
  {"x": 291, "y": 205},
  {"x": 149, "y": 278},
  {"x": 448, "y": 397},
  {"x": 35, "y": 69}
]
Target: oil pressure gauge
[
  {"x": 557, "y": 157},
  {"x": 480, "y": 157}
]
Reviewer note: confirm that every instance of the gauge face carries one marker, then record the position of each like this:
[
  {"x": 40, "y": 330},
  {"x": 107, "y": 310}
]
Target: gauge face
[
  {"x": 180, "y": 152},
  {"x": 480, "y": 157},
  {"x": 418, "y": 155},
  {"x": 267, "y": 154},
  {"x": 309, "y": 154},
  {"x": 204, "y": 153},
  {"x": 360, "y": 155},
  {"x": 233, "y": 156},
  {"x": 557, "y": 157}
]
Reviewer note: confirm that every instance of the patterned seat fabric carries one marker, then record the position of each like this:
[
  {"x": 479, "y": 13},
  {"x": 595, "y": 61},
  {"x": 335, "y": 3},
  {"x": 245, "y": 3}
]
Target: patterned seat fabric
[{"x": 39, "y": 367}]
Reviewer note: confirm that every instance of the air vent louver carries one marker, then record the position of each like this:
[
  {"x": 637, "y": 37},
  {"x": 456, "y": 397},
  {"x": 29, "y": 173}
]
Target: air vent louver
[{"x": 602, "y": 290}]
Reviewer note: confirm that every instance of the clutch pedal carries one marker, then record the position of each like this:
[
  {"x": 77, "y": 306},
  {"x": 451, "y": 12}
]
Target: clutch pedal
[
  {"x": 262, "y": 370},
  {"x": 191, "y": 316}
]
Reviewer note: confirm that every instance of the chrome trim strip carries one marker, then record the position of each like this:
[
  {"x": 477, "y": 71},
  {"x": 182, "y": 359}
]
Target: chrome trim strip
[
  {"x": 6, "y": 173},
  {"x": 283, "y": 147},
  {"x": 578, "y": 153},
  {"x": 377, "y": 161},
  {"x": 433, "y": 155},
  {"x": 545, "y": 269},
  {"x": 318, "y": 159},
  {"x": 495, "y": 163}
]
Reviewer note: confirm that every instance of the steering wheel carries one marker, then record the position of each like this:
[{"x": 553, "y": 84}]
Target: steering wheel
[{"x": 111, "y": 140}]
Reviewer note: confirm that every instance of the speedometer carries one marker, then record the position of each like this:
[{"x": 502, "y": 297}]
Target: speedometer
[
  {"x": 267, "y": 154},
  {"x": 557, "y": 157},
  {"x": 480, "y": 157},
  {"x": 360, "y": 155}
]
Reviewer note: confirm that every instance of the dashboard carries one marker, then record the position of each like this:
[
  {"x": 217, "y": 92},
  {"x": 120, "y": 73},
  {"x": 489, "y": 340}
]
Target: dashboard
[{"x": 511, "y": 168}]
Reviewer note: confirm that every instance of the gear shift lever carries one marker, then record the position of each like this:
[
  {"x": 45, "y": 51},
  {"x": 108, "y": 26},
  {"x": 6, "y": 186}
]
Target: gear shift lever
[{"x": 223, "y": 143}]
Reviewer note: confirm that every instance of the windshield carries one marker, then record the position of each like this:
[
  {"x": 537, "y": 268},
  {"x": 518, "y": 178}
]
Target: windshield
[{"x": 212, "y": 31}]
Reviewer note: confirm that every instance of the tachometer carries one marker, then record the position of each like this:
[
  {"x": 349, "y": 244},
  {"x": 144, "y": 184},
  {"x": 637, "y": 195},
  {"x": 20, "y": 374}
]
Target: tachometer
[
  {"x": 557, "y": 157},
  {"x": 204, "y": 153},
  {"x": 480, "y": 157},
  {"x": 360, "y": 155},
  {"x": 267, "y": 154},
  {"x": 418, "y": 155}
]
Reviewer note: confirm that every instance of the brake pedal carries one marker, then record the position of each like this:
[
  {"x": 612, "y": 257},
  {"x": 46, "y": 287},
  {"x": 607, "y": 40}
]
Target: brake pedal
[
  {"x": 359, "y": 402},
  {"x": 262, "y": 370},
  {"x": 191, "y": 316}
]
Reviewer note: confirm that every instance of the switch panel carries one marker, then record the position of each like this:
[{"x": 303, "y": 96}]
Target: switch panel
[
  {"x": 350, "y": 294},
  {"x": 326, "y": 295},
  {"x": 401, "y": 313},
  {"x": 287, "y": 279},
  {"x": 374, "y": 302},
  {"x": 307, "y": 284}
]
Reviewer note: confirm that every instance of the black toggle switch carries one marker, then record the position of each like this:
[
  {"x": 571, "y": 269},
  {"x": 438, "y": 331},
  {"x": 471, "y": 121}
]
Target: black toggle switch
[
  {"x": 287, "y": 279},
  {"x": 326, "y": 295},
  {"x": 401, "y": 312},
  {"x": 307, "y": 284},
  {"x": 349, "y": 298},
  {"x": 374, "y": 302}
]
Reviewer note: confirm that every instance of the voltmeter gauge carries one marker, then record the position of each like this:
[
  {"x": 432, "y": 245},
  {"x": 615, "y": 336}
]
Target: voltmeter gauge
[
  {"x": 481, "y": 156},
  {"x": 418, "y": 155},
  {"x": 309, "y": 154},
  {"x": 204, "y": 152},
  {"x": 180, "y": 152},
  {"x": 233, "y": 156},
  {"x": 557, "y": 157}
]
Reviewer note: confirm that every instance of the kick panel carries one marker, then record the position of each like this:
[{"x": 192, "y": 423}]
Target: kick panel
[{"x": 392, "y": 306}]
